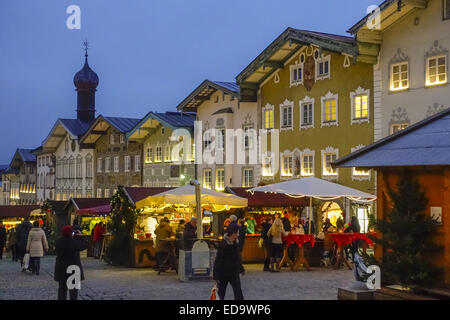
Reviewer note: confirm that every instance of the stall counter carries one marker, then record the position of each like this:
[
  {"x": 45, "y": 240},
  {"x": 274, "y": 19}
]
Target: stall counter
[
  {"x": 251, "y": 252},
  {"x": 144, "y": 253}
]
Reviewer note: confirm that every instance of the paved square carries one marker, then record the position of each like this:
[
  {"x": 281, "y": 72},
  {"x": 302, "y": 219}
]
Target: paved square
[{"x": 104, "y": 282}]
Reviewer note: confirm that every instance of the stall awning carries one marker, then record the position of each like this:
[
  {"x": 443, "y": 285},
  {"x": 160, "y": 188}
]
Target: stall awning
[
  {"x": 186, "y": 196},
  {"x": 268, "y": 200},
  {"x": 17, "y": 211},
  {"x": 95, "y": 211}
]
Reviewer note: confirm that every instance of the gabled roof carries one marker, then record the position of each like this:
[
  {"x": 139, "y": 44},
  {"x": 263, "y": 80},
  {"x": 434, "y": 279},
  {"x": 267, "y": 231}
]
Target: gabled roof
[
  {"x": 26, "y": 155},
  {"x": 83, "y": 203},
  {"x": 101, "y": 125},
  {"x": 74, "y": 127},
  {"x": 284, "y": 47},
  {"x": 204, "y": 91},
  {"x": 385, "y": 4},
  {"x": 424, "y": 143},
  {"x": 172, "y": 120}
]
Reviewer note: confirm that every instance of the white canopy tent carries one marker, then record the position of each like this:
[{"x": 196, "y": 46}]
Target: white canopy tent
[
  {"x": 313, "y": 187},
  {"x": 186, "y": 196}
]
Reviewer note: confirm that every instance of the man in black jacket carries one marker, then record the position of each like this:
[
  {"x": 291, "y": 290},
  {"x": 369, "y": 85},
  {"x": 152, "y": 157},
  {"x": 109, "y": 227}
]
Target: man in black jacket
[
  {"x": 190, "y": 233},
  {"x": 22, "y": 239},
  {"x": 227, "y": 264},
  {"x": 68, "y": 249}
]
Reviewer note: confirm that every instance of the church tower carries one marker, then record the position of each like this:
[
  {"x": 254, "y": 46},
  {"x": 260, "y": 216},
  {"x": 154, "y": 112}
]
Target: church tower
[{"x": 86, "y": 82}]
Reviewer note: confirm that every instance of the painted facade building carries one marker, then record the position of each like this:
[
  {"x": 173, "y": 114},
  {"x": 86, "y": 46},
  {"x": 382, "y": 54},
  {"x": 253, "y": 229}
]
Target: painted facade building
[
  {"x": 4, "y": 186},
  {"x": 316, "y": 93},
  {"x": 225, "y": 124},
  {"x": 117, "y": 161},
  {"x": 168, "y": 161},
  {"x": 411, "y": 42},
  {"x": 74, "y": 166},
  {"x": 19, "y": 179},
  {"x": 45, "y": 178}
]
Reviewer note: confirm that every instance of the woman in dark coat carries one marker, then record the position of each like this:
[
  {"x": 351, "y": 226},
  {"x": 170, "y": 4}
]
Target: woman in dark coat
[
  {"x": 68, "y": 249},
  {"x": 227, "y": 264}
]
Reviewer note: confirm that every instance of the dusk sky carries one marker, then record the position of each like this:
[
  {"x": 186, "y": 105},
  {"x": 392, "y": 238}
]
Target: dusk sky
[{"x": 148, "y": 54}]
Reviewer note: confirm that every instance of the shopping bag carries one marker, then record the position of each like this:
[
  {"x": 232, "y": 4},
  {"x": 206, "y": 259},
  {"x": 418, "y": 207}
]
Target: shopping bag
[
  {"x": 213, "y": 293},
  {"x": 260, "y": 242},
  {"x": 26, "y": 260}
]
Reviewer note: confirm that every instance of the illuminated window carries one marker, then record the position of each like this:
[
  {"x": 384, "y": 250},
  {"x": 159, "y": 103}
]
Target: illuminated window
[
  {"x": 220, "y": 179},
  {"x": 149, "y": 155},
  {"x": 247, "y": 180},
  {"x": 360, "y": 105},
  {"x": 207, "y": 178},
  {"x": 358, "y": 174},
  {"x": 167, "y": 153},
  {"x": 397, "y": 127},
  {"x": 286, "y": 165},
  {"x": 99, "y": 192},
  {"x": 436, "y": 70},
  {"x": 307, "y": 164},
  {"x": 399, "y": 76},
  {"x": 329, "y": 109},
  {"x": 329, "y": 155},
  {"x": 268, "y": 121},
  {"x": 267, "y": 167},
  {"x": 106, "y": 193}
]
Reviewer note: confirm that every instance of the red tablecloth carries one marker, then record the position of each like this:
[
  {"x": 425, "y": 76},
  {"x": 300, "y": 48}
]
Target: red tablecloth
[
  {"x": 343, "y": 239},
  {"x": 299, "y": 239}
]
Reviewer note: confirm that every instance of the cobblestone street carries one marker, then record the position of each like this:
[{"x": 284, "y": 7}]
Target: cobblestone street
[{"x": 104, "y": 282}]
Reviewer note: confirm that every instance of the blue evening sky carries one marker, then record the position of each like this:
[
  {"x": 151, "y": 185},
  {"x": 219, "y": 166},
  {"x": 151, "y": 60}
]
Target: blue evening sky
[{"x": 148, "y": 54}]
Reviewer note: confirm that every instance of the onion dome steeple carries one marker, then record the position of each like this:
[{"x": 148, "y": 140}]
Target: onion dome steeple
[{"x": 86, "y": 82}]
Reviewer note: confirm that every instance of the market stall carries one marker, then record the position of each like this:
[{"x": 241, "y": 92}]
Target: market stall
[
  {"x": 14, "y": 215},
  {"x": 180, "y": 203}
]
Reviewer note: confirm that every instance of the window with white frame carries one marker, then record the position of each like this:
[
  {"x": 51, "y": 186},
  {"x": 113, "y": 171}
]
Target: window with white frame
[
  {"x": 267, "y": 165},
  {"x": 122, "y": 138},
  {"x": 329, "y": 155},
  {"x": 436, "y": 70},
  {"x": 207, "y": 139},
  {"x": 399, "y": 76},
  {"x": 329, "y": 109},
  {"x": 395, "y": 127},
  {"x": 358, "y": 174},
  {"x": 220, "y": 179},
  {"x": 220, "y": 139},
  {"x": 107, "y": 164},
  {"x": 99, "y": 165},
  {"x": 158, "y": 157},
  {"x": 116, "y": 164},
  {"x": 137, "y": 163},
  {"x": 286, "y": 165},
  {"x": 247, "y": 180},
  {"x": 268, "y": 120},
  {"x": 286, "y": 114},
  {"x": 79, "y": 167},
  {"x": 99, "y": 193},
  {"x": 323, "y": 67},
  {"x": 127, "y": 167},
  {"x": 88, "y": 166},
  {"x": 107, "y": 195},
  {"x": 248, "y": 136},
  {"x": 111, "y": 139},
  {"x": 306, "y": 113},
  {"x": 207, "y": 178},
  {"x": 360, "y": 105},
  {"x": 167, "y": 153},
  {"x": 296, "y": 74},
  {"x": 307, "y": 163},
  {"x": 149, "y": 155}
]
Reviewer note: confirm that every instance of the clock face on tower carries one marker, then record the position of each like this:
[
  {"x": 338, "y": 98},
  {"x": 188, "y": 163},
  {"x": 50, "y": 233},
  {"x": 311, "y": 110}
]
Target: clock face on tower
[{"x": 74, "y": 145}]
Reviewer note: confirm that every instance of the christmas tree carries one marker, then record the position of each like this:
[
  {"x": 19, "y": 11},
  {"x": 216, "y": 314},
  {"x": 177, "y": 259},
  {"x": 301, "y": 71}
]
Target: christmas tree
[
  {"x": 407, "y": 238},
  {"x": 122, "y": 225}
]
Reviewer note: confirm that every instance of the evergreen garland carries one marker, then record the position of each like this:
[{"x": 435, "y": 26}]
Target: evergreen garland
[
  {"x": 407, "y": 238},
  {"x": 123, "y": 221}
]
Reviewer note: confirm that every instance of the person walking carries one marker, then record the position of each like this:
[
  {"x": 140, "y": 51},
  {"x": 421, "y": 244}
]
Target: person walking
[
  {"x": 12, "y": 243},
  {"x": 190, "y": 233},
  {"x": 68, "y": 249},
  {"x": 99, "y": 231},
  {"x": 227, "y": 264},
  {"x": 36, "y": 244},
  {"x": 163, "y": 232},
  {"x": 2, "y": 239},
  {"x": 242, "y": 232},
  {"x": 267, "y": 242},
  {"x": 277, "y": 232},
  {"x": 22, "y": 239}
]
